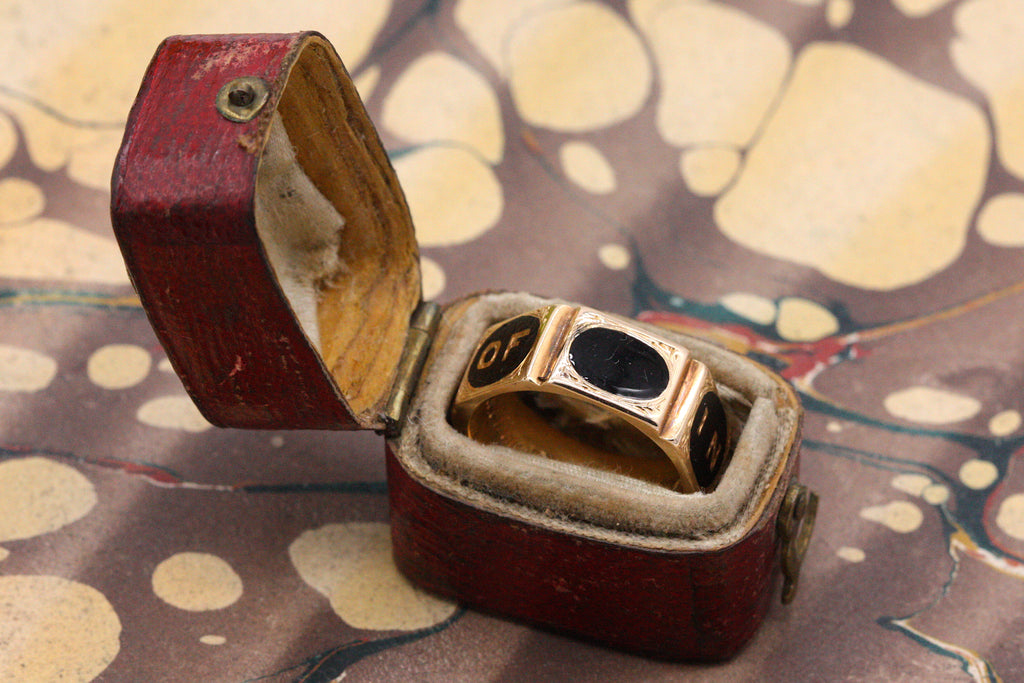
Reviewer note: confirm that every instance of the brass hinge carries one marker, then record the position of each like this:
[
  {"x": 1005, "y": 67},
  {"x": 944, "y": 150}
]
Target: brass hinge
[
  {"x": 422, "y": 327},
  {"x": 795, "y": 525}
]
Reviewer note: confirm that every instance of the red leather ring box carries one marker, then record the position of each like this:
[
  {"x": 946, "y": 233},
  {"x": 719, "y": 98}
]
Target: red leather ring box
[{"x": 269, "y": 241}]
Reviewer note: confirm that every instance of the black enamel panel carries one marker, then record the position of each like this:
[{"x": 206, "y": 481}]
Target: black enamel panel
[
  {"x": 708, "y": 440},
  {"x": 619, "y": 363},
  {"x": 503, "y": 351}
]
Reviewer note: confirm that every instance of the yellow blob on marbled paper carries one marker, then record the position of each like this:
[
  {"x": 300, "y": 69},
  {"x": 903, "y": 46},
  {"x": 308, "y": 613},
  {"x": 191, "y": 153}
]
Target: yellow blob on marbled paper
[
  {"x": 921, "y": 486},
  {"x": 587, "y": 167},
  {"x": 614, "y": 256},
  {"x": 719, "y": 71},
  {"x": 804, "y": 321},
  {"x": 1001, "y": 220},
  {"x": 8, "y": 139},
  {"x": 928, "y": 405},
  {"x": 755, "y": 308},
  {"x": 196, "y": 582},
  {"x": 172, "y": 412},
  {"x": 838, "y": 13},
  {"x": 20, "y": 200},
  {"x": 351, "y": 565},
  {"x": 919, "y": 8},
  {"x": 803, "y": 196},
  {"x": 39, "y": 496},
  {"x": 849, "y": 554},
  {"x": 1004, "y": 423},
  {"x": 709, "y": 170},
  {"x": 914, "y": 484},
  {"x": 454, "y": 196},
  {"x": 640, "y": 11},
  {"x": 978, "y": 474},
  {"x": 936, "y": 494},
  {"x": 987, "y": 53},
  {"x": 118, "y": 366},
  {"x": 1010, "y": 517},
  {"x": 433, "y": 278},
  {"x": 25, "y": 369},
  {"x": 578, "y": 67},
  {"x": 48, "y": 249},
  {"x": 488, "y": 24},
  {"x": 53, "y": 629},
  {"x": 366, "y": 81},
  {"x": 439, "y": 98},
  {"x": 86, "y": 148},
  {"x": 92, "y": 157},
  {"x": 901, "y": 516}
]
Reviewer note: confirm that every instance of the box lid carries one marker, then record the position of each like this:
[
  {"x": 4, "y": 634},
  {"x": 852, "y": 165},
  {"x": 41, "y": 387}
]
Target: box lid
[{"x": 266, "y": 232}]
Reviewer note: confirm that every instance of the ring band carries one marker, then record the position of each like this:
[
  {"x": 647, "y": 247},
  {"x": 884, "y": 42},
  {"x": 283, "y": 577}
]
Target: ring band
[{"x": 609, "y": 376}]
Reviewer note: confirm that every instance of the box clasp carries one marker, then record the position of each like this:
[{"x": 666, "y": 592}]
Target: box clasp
[
  {"x": 795, "y": 526},
  {"x": 422, "y": 327}
]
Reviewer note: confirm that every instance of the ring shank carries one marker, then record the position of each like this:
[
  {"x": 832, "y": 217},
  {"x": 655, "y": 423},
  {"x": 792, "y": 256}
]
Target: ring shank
[{"x": 509, "y": 420}]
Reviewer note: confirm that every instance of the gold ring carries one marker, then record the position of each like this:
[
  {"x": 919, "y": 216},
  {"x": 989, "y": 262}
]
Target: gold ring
[{"x": 576, "y": 384}]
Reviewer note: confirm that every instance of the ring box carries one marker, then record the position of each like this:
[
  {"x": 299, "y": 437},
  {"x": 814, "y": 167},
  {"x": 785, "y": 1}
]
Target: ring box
[{"x": 270, "y": 243}]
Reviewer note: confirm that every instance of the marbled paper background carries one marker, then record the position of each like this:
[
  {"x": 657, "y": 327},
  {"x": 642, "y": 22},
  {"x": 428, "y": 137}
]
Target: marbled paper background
[{"x": 833, "y": 186}]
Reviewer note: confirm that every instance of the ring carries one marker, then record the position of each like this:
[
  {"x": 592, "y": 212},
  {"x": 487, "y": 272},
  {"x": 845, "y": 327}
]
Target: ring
[{"x": 576, "y": 384}]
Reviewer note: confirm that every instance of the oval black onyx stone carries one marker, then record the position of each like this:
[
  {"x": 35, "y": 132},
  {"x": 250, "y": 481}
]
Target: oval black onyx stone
[
  {"x": 709, "y": 441},
  {"x": 618, "y": 363}
]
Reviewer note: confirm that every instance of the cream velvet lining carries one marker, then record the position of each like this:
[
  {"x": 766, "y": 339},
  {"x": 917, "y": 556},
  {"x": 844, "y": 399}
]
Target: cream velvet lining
[
  {"x": 300, "y": 230},
  {"x": 580, "y": 500}
]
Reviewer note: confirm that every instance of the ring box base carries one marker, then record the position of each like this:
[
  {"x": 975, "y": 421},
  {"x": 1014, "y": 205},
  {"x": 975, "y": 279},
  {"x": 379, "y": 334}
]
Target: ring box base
[{"x": 592, "y": 553}]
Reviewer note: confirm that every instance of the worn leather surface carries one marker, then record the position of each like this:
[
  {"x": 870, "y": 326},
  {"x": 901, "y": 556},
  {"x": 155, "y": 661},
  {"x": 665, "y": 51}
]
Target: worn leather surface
[{"x": 833, "y": 187}]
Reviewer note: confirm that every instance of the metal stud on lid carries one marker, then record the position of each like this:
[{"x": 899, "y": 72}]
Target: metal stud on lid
[{"x": 241, "y": 99}]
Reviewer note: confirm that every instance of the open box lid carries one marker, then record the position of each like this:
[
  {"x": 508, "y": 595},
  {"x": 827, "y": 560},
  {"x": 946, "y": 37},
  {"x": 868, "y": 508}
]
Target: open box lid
[{"x": 279, "y": 276}]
